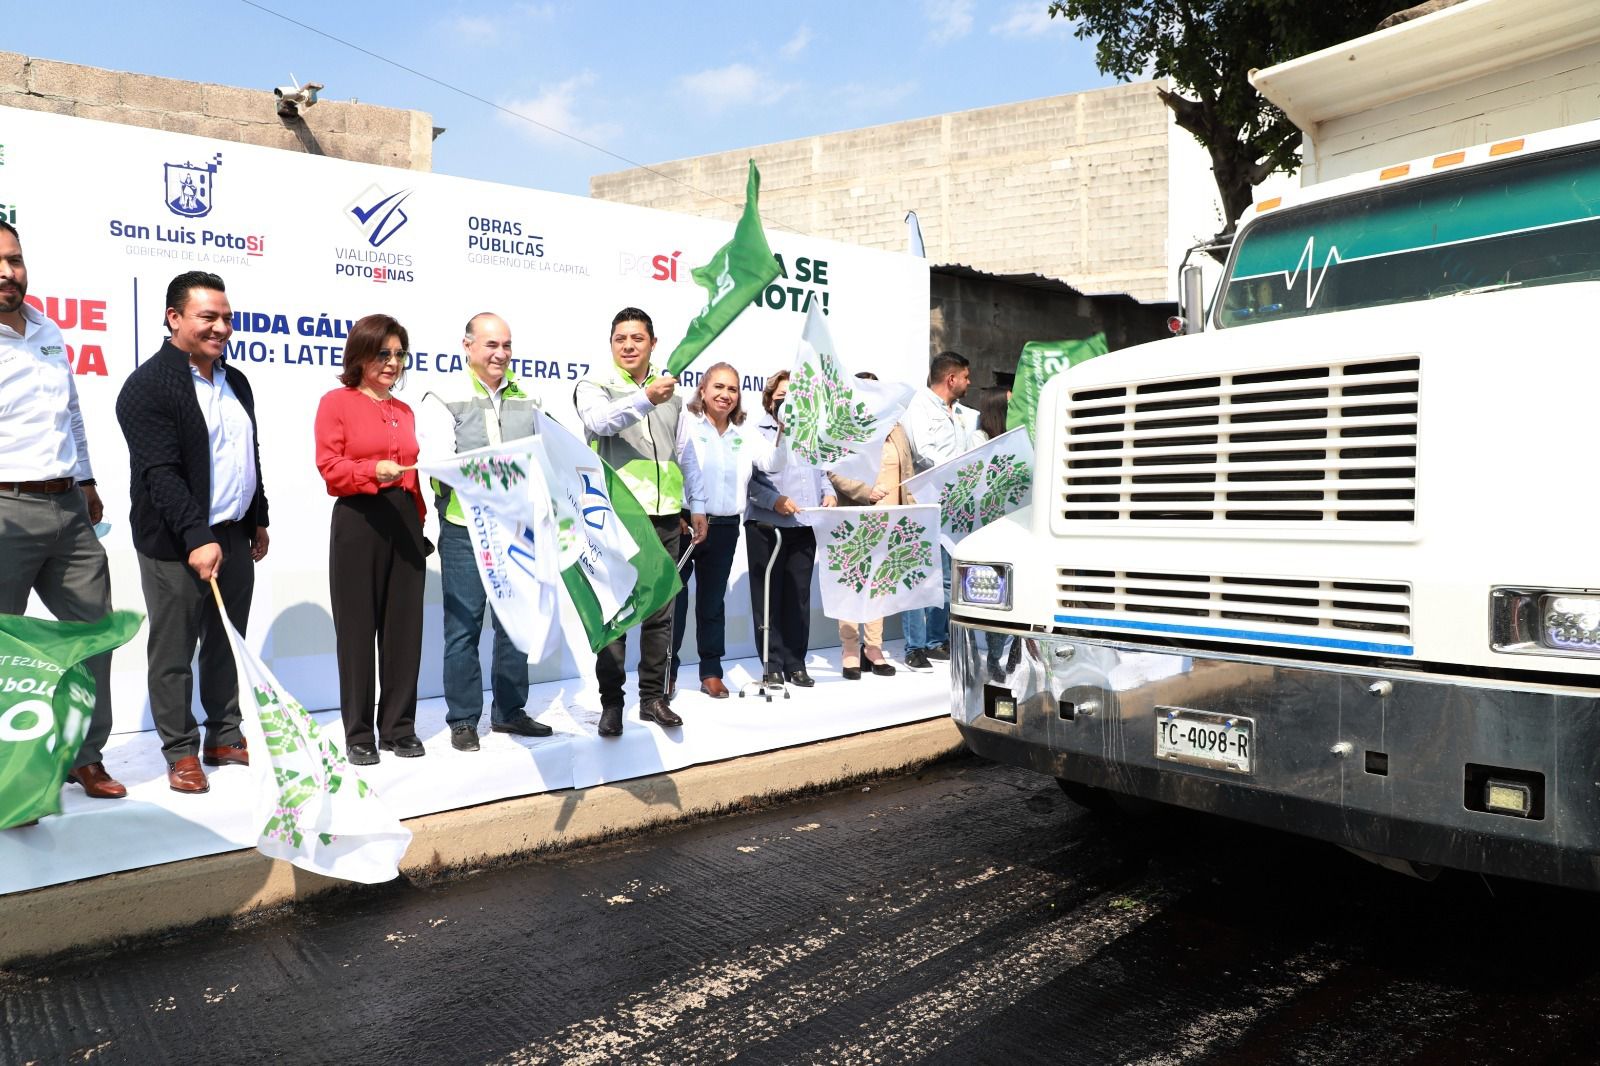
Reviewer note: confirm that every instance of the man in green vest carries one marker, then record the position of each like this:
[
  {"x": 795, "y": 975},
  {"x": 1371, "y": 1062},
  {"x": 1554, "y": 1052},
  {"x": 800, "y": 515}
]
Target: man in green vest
[
  {"x": 630, "y": 417},
  {"x": 479, "y": 408}
]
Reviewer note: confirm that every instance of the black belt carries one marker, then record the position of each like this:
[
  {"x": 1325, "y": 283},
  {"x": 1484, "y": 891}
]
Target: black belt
[{"x": 724, "y": 519}]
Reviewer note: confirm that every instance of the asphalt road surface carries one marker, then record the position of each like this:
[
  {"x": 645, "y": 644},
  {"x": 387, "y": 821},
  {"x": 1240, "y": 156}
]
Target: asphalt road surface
[{"x": 968, "y": 914}]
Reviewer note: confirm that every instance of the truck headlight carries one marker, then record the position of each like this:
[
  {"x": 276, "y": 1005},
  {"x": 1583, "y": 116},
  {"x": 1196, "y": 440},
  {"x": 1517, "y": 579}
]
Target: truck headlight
[
  {"x": 984, "y": 585},
  {"x": 1545, "y": 622}
]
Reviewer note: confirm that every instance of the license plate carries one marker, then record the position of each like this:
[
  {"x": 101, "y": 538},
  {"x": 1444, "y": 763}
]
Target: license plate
[{"x": 1204, "y": 738}]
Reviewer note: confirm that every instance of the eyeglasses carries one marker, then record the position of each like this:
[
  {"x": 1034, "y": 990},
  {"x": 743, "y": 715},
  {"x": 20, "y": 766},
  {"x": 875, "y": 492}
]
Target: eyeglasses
[{"x": 386, "y": 354}]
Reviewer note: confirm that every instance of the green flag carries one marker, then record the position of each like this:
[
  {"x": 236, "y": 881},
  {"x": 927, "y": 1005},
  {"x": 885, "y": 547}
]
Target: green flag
[
  {"x": 1041, "y": 361},
  {"x": 46, "y": 702},
  {"x": 734, "y": 277},
  {"x": 612, "y": 562}
]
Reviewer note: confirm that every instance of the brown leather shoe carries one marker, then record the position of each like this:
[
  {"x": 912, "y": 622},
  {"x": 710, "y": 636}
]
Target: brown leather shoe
[
  {"x": 185, "y": 775},
  {"x": 713, "y": 687},
  {"x": 234, "y": 754},
  {"x": 96, "y": 782},
  {"x": 657, "y": 710}
]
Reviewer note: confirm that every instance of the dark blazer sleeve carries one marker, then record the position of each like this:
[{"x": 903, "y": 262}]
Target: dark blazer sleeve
[
  {"x": 247, "y": 399},
  {"x": 149, "y": 420}
]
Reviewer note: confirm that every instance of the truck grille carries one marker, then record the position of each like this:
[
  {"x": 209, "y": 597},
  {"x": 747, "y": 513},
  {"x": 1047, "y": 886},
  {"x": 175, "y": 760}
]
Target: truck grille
[
  {"x": 1313, "y": 445},
  {"x": 1373, "y": 616}
]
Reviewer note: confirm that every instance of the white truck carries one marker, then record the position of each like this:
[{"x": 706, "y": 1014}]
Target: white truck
[{"x": 1330, "y": 561}]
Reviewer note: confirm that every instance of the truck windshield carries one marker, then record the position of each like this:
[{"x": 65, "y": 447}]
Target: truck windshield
[{"x": 1534, "y": 221}]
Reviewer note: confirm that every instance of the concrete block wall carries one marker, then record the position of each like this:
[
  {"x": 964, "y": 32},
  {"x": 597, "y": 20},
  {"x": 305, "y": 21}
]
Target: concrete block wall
[
  {"x": 988, "y": 320},
  {"x": 1073, "y": 187},
  {"x": 364, "y": 133}
]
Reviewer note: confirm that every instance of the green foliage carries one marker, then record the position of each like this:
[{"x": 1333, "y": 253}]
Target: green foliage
[{"x": 1208, "y": 48}]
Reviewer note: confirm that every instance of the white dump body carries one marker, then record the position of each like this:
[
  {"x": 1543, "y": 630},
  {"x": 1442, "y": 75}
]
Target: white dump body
[{"x": 1481, "y": 71}]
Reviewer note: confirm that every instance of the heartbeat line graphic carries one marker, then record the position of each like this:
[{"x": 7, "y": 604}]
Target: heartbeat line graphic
[{"x": 1308, "y": 258}]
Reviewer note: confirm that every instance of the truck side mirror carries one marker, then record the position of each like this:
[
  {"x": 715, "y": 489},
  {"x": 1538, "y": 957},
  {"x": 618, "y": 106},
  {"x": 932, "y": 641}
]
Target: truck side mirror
[{"x": 1192, "y": 299}]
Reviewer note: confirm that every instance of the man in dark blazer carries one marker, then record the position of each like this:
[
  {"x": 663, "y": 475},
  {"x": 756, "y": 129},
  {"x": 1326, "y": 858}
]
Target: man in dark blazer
[{"x": 199, "y": 512}]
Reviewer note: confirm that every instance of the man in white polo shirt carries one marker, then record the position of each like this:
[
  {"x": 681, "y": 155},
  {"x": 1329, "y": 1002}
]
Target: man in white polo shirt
[
  {"x": 938, "y": 428},
  {"x": 48, "y": 503}
]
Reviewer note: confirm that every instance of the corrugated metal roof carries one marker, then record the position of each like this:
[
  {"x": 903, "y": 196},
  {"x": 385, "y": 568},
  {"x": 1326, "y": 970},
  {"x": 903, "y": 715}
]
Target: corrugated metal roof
[
  {"x": 1034, "y": 281},
  {"x": 1433, "y": 52}
]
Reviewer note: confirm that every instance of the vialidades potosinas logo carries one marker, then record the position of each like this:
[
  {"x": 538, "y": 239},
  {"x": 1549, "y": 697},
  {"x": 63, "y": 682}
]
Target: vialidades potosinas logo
[
  {"x": 189, "y": 232},
  {"x": 379, "y": 215},
  {"x": 515, "y": 243}
]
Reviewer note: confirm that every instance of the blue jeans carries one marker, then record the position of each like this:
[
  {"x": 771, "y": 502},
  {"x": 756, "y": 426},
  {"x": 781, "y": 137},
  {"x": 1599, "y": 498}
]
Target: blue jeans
[
  {"x": 464, "y": 603},
  {"x": 928, "y": 627}
]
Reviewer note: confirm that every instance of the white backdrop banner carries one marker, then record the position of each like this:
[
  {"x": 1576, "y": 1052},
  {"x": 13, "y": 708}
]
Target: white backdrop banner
[{"x": 109, "y": 214}]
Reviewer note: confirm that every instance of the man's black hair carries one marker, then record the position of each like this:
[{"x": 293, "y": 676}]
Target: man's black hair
[
  {"x": 945, "y": 363},
  {"x": 178, "y": 288},
  {"x": 633, "y": 314}
]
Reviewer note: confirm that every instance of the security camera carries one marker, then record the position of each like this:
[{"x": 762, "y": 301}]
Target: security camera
[{"x": 291, "y": 98}]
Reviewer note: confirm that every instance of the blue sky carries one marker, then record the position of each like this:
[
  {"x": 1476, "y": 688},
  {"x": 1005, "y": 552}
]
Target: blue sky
[{"x": 650, "y": 82}]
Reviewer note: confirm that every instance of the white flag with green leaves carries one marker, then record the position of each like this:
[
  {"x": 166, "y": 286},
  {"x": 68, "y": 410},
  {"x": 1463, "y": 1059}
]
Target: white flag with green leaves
[
  {"x": 979, "y": 485},
  {"x": 832, "y": 419},
  {"x": 876, "y": 561},
  {"x": 313, "y": 808}
]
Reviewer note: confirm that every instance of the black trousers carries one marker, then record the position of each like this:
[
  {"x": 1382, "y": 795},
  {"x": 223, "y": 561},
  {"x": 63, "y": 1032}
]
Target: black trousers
[
  {"x": 654, "y": 639},
  {"x": 375, "y": 577},
  {"x": 789, "y": 591},
  {"x": 183, "y": 613},
  {"x": 709, "y": 565}
]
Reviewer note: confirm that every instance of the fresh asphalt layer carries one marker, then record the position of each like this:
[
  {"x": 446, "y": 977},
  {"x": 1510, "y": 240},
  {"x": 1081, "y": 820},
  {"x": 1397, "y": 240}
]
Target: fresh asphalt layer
[{"x": 968, "y": 913}]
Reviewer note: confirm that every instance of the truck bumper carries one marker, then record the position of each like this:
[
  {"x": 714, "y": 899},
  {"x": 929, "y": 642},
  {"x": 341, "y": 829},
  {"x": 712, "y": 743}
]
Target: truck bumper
[{"x": 1386, "y": 762}]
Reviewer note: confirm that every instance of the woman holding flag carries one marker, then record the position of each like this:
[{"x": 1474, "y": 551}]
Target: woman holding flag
[
  {"x": 366, "y": 445},
  {"x": 718, "y": 457},
  {"x": 783, "y": 604}
]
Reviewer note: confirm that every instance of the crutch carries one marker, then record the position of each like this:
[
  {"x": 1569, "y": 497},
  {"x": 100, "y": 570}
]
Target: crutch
[
  {"x": 761, "y": 685},
  {"x": 670, "y": 688}
]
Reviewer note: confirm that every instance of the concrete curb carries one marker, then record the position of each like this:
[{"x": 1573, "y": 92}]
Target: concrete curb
[{"x": 102, "y": 911}]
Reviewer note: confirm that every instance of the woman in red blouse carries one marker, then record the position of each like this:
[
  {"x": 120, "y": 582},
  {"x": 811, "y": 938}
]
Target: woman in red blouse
[{"x": 365, "y": 440}]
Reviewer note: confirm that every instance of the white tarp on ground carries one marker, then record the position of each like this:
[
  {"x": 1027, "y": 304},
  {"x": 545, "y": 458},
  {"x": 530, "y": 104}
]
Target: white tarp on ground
[
  {"x": 109, "y": 214},
  {"x": 156, "y": 825}
]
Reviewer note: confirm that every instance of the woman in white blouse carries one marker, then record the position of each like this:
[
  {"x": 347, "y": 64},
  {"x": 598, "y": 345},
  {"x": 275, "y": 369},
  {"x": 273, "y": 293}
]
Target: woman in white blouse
[{"x": 722, "y": 456}]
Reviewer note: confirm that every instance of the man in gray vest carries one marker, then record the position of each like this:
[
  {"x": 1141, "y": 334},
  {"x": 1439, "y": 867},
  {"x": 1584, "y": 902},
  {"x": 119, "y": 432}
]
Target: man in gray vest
[
  {"x": 482, "y": 407},
  {"x": 630, "y": 417}
]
